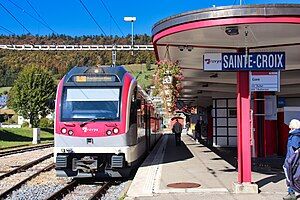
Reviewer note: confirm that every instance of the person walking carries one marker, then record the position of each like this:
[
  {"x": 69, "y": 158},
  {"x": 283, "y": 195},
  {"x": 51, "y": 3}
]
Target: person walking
[
  {"x": 198, "y": 130},
  {"x": 293, "y": 144},
  {"x": 177, "y": 129}
]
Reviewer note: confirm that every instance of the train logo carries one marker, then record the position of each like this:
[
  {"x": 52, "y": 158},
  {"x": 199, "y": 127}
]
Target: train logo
[{"x": 85, "y": 129}]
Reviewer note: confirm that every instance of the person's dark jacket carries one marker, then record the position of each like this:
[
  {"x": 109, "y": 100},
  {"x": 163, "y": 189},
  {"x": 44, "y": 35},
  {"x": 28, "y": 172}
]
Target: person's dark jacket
[
  {"x": 177, "y": 128},
  {"x": 198, "y": 127},
  {"x": 293, "y": 142},
  {"x": 292, "y": 168}
]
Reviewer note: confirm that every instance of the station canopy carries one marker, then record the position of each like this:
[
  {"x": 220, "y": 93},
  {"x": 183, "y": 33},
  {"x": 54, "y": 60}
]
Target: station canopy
[{"x": 259, "y": 28}]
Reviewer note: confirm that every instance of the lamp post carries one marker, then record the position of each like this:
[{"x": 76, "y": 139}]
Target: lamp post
[{"x": 131, "y": 19}]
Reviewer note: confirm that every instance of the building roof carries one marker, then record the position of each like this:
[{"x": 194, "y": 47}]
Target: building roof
[{"x": 7, "y": 111}]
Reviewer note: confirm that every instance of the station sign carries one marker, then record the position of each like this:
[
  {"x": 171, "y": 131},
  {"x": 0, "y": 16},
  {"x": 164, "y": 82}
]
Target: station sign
[
  {"x": 265, "y": 81},
  {"x": 256, "y": 61}
]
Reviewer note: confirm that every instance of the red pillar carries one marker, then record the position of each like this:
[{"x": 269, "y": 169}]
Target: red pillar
[{"x": 243, "y": 127}]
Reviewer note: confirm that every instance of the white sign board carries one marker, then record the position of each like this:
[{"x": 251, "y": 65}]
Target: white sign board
[
  {"x": 212, "y": 62},
  {"x": 265, "y": 81}
]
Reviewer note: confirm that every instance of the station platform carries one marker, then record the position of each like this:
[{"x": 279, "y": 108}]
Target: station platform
[{"x": 196, "y": 164}]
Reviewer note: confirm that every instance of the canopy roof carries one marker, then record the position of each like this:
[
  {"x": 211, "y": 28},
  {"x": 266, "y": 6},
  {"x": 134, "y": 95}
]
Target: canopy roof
[{"x": 261, "y": 28}]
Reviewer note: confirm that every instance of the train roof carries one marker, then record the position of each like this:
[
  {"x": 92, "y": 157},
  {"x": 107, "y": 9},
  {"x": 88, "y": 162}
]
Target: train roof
[{"x": 119, "y": 71}]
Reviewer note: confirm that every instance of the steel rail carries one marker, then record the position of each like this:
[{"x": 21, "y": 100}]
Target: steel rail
[
  {"x": 73, "y": 184},
  {"x": 65, "y": 190},
  {"x": 101, "y": 191},
  {"x": 26, "y": 166},
  {"x": 21, "y": 150},
  {"x": 18, "y": 185}
]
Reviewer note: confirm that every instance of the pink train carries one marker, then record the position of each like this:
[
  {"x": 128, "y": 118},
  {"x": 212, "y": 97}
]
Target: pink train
[{"x": 104, "y": 123}]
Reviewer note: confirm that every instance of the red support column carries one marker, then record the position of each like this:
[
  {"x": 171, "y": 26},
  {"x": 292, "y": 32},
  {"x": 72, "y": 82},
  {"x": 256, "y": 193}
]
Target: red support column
[{"x": 243, "y": 127}]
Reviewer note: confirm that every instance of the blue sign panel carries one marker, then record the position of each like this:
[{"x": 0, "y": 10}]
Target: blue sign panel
[{"x": 258, "y": 61}]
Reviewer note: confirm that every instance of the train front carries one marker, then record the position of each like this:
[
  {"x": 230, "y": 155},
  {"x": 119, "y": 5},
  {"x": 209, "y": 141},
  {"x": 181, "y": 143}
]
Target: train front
[{"x": 93, "y": 137}]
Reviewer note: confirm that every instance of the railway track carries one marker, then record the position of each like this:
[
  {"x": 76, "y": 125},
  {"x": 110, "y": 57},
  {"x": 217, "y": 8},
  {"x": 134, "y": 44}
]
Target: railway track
[
  {"x": 26, "y": 166},
  {"x": 24, "y": 149},
  {"x": 71, "y": 188},
  {"x": 19, "y": 184}
]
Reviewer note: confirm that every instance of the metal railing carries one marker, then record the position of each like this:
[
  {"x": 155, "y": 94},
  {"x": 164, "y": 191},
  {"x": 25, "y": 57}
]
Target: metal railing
[{"x": 38, "y": 47}]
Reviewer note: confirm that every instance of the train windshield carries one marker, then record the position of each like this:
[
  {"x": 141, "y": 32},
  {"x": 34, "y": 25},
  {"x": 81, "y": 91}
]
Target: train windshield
[{"x": 81, "y": 104}]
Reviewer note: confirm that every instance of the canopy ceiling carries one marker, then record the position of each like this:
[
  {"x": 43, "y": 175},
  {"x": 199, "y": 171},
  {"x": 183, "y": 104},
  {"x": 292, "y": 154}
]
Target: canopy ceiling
[{"x": 261, "y": 28}]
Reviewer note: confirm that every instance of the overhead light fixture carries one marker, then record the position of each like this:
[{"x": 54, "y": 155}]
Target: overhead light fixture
[
  {"x": 199, "y": 91},
  {"x": 189, "y": 48},
  {"x": 129, "y": 19},
  {"x": 181, "y": 48},
  {"x": 232, "y": 30},
  {"x": 205, "y": 85}
]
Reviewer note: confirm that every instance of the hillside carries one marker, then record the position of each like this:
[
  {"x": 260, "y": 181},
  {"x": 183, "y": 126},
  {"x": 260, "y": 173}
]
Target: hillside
[{"x": 59, "y": 62}]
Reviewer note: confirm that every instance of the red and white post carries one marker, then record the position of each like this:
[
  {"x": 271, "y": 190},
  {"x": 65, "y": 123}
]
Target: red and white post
[{"x": 244, "y": 184}]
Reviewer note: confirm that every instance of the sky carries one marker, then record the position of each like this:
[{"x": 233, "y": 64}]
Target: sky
[{"x": 69, "y": 17}]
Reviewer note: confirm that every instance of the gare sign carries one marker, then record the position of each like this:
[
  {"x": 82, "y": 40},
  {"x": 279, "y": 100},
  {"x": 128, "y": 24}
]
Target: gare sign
[
  {"x": 265, "y": 81},
  {"x": 257, "y": 61}
]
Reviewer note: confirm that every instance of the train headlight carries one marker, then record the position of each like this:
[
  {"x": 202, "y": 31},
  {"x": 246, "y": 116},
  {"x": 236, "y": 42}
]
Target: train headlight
[
  {"x": 63, "y": 130},
  {"x": 116, "y": 130},
  {"x": 71, "y": 132},
  {"x": 108, "y": 132}
]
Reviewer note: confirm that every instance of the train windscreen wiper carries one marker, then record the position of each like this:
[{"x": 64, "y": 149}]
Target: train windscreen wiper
[{"x": 95, "y": 119}]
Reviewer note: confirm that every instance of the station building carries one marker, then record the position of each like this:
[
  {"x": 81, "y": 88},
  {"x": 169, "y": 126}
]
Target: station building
[{"x": 241, "y": 67}]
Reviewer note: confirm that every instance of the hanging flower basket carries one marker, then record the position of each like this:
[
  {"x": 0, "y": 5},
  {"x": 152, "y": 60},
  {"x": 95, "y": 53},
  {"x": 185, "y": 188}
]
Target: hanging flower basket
[{"x": 167, "y": 83}]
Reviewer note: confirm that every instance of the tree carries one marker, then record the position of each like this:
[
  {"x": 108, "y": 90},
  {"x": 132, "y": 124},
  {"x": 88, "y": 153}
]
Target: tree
[{"x": 32, "y": 92}]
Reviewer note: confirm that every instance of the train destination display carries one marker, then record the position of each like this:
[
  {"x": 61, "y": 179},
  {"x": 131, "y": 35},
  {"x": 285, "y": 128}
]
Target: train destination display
[{"x": 258, "y": 61}]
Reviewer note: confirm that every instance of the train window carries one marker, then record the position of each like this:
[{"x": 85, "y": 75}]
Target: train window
[{"x": 89, "y": 103}]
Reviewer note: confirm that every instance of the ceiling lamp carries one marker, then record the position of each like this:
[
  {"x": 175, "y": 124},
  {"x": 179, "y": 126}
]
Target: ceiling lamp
[{"x": 232, "y": 30}]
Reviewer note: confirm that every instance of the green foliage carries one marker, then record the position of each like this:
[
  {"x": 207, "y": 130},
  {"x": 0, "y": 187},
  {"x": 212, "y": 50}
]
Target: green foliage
[
  {"x": 143, "y": 76},
  {"x": 32, "y": 92},
  {"x": 4, "y": 89},
  {"x": 7, "y": 75},
  {"x": 168, "y": 68},
  {"x": 46, "y": 123},
  {"x": 148, "y": 65},
  {"x": 25, "y": 125},
  {"x": 1, "y": 118}
]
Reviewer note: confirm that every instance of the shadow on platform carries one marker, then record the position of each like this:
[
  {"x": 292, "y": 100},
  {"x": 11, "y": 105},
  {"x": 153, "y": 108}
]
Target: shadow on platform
[
  {"x": 172, "y": 153},
  {"x": 269, "y": 166},
  {"x": 271, "y": 179},
  {"x": 229, "y": 154},
  {"x": 175, "y": 153}
]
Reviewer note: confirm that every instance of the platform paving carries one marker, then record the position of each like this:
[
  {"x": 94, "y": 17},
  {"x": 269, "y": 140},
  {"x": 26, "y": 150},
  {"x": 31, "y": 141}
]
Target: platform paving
[{"x": 196, "y": 163}]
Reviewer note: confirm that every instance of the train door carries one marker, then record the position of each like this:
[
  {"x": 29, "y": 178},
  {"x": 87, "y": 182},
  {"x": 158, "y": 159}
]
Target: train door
[
  {"x": 147, "y": 126},
  {"x": 133, "y": 126}
]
